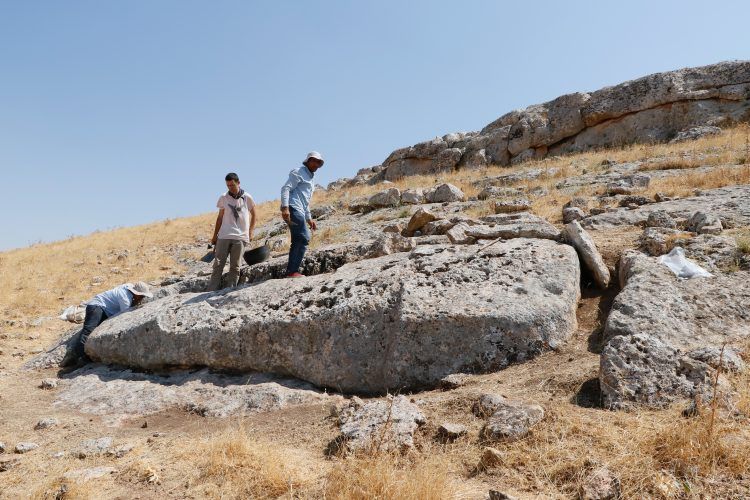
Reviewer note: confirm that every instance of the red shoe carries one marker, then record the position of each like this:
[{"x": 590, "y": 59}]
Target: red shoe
[{"x": 295, "y": 275}]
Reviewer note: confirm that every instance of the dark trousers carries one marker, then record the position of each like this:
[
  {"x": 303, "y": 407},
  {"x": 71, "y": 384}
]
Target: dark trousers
[
  {"x": 95, "y": 315},
  {"x": 300, "y": 240}
]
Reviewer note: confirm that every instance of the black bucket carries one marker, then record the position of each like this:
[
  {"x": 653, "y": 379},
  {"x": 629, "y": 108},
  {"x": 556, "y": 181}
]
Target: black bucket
[{"x": 257, "y": 255}]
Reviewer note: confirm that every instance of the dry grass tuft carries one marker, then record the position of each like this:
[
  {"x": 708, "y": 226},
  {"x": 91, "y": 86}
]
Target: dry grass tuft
[
  {"x": 234, "y": 464},
  {"x": 391, "y": 476}
]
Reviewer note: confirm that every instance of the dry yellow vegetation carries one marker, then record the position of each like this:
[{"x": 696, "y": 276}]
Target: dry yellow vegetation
[{"x": 654, "y": 453}]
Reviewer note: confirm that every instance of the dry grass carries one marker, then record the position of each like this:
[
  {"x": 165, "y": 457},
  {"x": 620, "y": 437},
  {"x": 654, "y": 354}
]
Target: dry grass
[
  {"x": 235, "y": 464},
  {"x": 43, "y": 279},
  {"x": 391, "y": 476}
]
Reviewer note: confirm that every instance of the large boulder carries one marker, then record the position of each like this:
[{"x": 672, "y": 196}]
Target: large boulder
[
  {"x": 388, "y": 198},
  {"x": 398, "y": 321},
  {"x": 658, "y": 325}
]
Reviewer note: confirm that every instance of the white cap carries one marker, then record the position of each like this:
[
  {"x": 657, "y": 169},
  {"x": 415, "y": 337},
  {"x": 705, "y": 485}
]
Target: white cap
[{"x": 314, "y": 154}]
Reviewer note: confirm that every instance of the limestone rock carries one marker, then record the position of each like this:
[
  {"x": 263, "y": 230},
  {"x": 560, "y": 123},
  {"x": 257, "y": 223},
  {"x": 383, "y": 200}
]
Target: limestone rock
[
  {"x": 46, "y": 423},
  {"x": 454, "y": 381},
  {"x": 703, "y": 223},
  {"x": 388, "y": 198},
  {"x": 421, "y": 217},
  {"x": 323, "y": 211},
  {"x": 449, "y": 431},
  {"x": 641, "y": 369},
  {"x": 382, "y": 425},
  {"x": 25, "y": 447},
  {"x": 491, "y": 191},
  {"x": 660, "y": 218},
  {"x": 48, "y": 383},
  {"x": 487, "y": 404},
  {"x": 695, "y": 133},
  {"x": 580, "y": 239},
  {"x": 412, "y": 197},
  {"x": 393, "y": 228},
  {"x": 510, "y": 206},
  {"x": 457, "y": 234},
  {"x": 397, "y": 321},
  {"x": 659, "y": 241},
  {"x": 572, "y": 213},
  {"x": 491, "y": 457},
  {"x": 511, "y": 421},
  {"x": 730, "y": 204},
  {"x": 728, "y": 359},
  {"x": 8, "y": 463},
  {"x": 388, "y": 243},
  {"x": 93, "y": 447},
  {"x": 509, "y": 226},
  {"x": 445, "y": 193},
  {"x": 117, "y": 393},
  {"x": 499, "y": 495},
  {"x": 85, "y": 475},
  {"x": 437, "y": 227},
  {"x": 601, "y": 484}
]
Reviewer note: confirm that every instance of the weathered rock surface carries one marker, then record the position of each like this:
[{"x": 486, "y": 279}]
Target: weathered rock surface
[
  {"x": 46, "y": 423},
  {"x": 696, "y": 133},
  {"x": 412, "y": 197},
  {"x": 703, "y": 223},
  {"x": 601, "y": 484},
  {"x": 511, "y": 421},
  {"x": 449, "y": 431},
  {"x": 641, "y": 369},
  {"x": 658, "y": 107},
  {"x": 445, "y": 193},
  {"x": 389, "y": 243},
  {"x": 397, "y": 321},
  {"x": 25, "y": 447},
  {"x": 86, "y": 475},
  {"x": 730, "y": 204},
  {"x": 418, "y": 220},
  {"x": 487, "y": 404},
  {"x": 510, "y": 206},
  {"x": 656, "y": 319},
  {"x": 380, "y": 425},
  {"x": 388, "y": 198},
  {"x": 121, "y": 393},
  {"x": 580, "y": 239},
  {"x": 509, "y": 226}
]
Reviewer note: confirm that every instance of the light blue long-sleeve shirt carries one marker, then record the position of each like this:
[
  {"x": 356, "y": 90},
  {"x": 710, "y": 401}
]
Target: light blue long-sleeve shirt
[
  {"x": 298, "y": 190},
  {"x": 113, "y": 301}
]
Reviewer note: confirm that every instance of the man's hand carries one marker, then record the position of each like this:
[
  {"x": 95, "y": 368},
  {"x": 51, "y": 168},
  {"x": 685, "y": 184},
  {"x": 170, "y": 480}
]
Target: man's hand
[
  {"x": 214, "y": 239},
  {"x": 312, "y": 224},
  {"x": 285, "y": 214},
  {"x": 250, "y": 234}
]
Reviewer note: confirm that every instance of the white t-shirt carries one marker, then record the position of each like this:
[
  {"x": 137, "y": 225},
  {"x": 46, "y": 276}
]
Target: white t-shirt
[{"x": 236, "y": 221}]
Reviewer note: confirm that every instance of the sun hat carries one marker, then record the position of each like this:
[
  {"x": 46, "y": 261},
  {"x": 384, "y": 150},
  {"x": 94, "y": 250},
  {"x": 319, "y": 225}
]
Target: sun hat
[
  {"x": 314, "y": 154},
  {"x": 139, "y": 288}
]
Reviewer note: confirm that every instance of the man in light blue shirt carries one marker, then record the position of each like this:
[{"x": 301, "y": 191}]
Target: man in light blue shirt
[
  {"x": 295, "y": 209},
  {"x": 104, "y": 306}
]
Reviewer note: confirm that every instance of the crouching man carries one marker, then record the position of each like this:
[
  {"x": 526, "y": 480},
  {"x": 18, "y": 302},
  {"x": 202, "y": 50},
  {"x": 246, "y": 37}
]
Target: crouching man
[
  {"x": 233, "y": 231},
  {"x": 295, "y": 209},
  {"x": 104, "y": 306}
]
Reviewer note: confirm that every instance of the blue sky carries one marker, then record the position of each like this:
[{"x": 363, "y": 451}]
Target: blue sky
[{"x": 115, "y": 113}]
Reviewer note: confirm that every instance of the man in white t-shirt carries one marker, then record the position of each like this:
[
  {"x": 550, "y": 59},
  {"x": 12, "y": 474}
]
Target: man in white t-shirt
[{"x": 234, "y": 229}]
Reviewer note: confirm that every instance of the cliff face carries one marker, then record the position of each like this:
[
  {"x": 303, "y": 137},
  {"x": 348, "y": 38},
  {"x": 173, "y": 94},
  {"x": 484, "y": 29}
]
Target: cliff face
[{"x": 654, "y": 108}]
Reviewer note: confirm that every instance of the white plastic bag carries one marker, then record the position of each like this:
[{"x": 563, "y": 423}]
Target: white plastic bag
[
  {"x": 682, "y": 267},
  {"x": 74, "y": 314}
]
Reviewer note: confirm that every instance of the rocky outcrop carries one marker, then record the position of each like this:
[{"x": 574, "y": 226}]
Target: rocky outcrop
[
  {"x": 397, "y": 321},
  {"x": 659, "y": 325},
  {"x": 654, "y": 108},
  {"x": 379, "y": 426},
  {"x": 730, "y": 204},
  {"x": 120, "y": 393}
]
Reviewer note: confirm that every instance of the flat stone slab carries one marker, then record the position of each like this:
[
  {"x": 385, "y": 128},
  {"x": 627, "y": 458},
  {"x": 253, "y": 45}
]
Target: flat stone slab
[
  {"x": 730, "y": 204},
  {"x": 399, "y": 321},
  {"x": 122, "y": 393}
]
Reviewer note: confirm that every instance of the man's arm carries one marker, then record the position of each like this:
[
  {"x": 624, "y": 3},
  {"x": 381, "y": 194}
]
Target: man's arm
[
  {"x": 217, "y": 226},
  {"x": 252, "y": 222},
  {"x": 286, "y": 189},
  {"x": 124, "y": 299}
]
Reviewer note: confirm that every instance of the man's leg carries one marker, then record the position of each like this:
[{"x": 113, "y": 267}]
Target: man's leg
[
  {"x": 300, "y": 239},
  {"x": 221, "y": 251},
  {"x": 235, "y": 255},
  {"x": 94, "y": 317}
]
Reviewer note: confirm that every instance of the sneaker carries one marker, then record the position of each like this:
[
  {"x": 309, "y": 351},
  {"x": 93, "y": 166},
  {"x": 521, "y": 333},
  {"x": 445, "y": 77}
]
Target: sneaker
[{"x": 295, "y": 275}]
